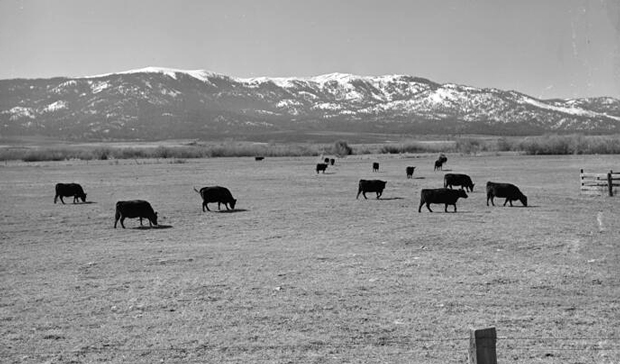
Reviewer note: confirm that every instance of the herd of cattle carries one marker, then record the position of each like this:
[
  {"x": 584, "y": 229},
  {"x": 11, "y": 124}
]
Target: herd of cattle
[
  {"x": 446, "y": 195},
  {"x": 212, "y": 194}
]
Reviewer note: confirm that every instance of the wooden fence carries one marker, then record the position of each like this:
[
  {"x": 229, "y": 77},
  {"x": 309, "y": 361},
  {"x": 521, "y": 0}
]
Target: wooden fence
[{"x": 600, "y": 183}]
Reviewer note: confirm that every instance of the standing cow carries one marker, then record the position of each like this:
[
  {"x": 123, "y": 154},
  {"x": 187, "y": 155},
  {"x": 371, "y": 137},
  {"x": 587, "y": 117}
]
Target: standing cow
[
  {"x": 440, "y": 162},
  {"x": 409, "y": 170},
  {"x": 135, "y": 209},
  {"x": 375, "y": 167},
  {"x": 373, "y": 185},
  {"x": 457, "y": 179},
  {"x": 68, "y": 190},
  {"x": 505, "y": 190},
  {"x": 444, "y": 196},
  {"x": 218, "y": 194},
  {"x": 321, "y": 167}
]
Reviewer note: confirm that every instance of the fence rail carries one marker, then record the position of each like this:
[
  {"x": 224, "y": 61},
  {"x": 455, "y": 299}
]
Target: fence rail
[{"x": 600, "y": 183}]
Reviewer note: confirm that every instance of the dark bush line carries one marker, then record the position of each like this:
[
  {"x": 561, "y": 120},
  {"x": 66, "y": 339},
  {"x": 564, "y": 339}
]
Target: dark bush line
[{"x": 546, "y": 144}]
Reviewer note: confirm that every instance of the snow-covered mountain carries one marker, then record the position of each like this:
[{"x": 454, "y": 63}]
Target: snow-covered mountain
[{"x": 158, "y": 103}]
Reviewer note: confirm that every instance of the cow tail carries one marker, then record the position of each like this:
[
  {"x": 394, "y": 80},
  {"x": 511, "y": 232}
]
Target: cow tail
[{"x": 196, "y": 190}]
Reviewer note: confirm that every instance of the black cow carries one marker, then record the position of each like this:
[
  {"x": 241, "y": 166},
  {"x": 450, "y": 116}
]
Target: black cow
[
  {"x": 259, "y": 158},
  {"x": 457, "y": 179},
  {"x": 135, "y": 208},
  {"x": 375, "y": 167},
  {"x": 373, "y": 185},
  {"x": 332, "y": 161},
  {"x": 218, "y": 194},
  {"x": 505, "y": 190},
  {"x": 440, "y": 162},
  {"x": 321, "y": 167},
  {"x": 68, "y": 190},
  {"x": 440, "y": 195},
  {"x": 409, "y": 170},
  {"x": 326, "y": 160}
]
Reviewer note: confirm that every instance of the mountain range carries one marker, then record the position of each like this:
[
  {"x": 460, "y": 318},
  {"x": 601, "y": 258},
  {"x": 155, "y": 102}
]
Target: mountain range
[{"x": 161, "y": 103}]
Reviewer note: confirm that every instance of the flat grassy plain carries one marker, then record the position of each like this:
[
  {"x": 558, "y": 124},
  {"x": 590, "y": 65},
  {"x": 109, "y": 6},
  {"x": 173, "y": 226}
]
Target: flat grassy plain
[{"x": 302, "y": 272}]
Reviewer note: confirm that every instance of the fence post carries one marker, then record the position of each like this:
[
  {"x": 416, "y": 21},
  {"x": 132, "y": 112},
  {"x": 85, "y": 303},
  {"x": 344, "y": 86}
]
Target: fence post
[
  {"x": 610, "y": 186},
  {"x": 482, "y": 346}
]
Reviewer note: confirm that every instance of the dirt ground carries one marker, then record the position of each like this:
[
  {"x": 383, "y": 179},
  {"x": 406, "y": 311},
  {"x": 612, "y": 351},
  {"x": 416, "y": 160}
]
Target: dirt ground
[{"x": 302, "y": 271}]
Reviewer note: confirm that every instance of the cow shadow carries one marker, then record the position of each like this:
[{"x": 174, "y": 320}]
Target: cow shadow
[
  {"x": 390, "y": 198},
  {"x": 318, "y": 174},
  {"x": 155, "y": 227},
  {"x": 87, "y": 203},
  {"x": 234, "y": 211},
  {"x": 418, "y": 178}
]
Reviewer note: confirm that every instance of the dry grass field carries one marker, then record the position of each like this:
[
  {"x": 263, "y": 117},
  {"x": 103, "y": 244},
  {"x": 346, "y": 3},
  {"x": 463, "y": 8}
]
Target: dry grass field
[{"x": 302, "y": 272}]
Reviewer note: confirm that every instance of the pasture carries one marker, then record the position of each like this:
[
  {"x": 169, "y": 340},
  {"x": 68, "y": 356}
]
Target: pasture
[{"x": 301, "y": 271}]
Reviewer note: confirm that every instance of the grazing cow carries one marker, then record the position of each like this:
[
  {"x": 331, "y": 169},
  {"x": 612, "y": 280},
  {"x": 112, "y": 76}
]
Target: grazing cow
[
  {"x": 440, "y": 162},
  {"x": 321, "y": 167},
  {"x": 133, "y": 209},
  {"x": 457, "y": 179},
  {"x": 332, "y": 161},
  {"x": 218, "y": 194},
  {"x": 409, "y": 171},
  {"x": 68, "y": 190},
  {"x": 375, "y": 167},
  {"x": 440, "y": 195},
  {"x": 505, "y": 190},
  {"x": 259, "y": 158},
  {"x": 373, "y": 185}
]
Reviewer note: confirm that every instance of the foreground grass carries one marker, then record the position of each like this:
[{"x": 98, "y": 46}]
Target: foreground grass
[
  {"x": 547, "y": 144},
  {"x": 303, "y": 272}
]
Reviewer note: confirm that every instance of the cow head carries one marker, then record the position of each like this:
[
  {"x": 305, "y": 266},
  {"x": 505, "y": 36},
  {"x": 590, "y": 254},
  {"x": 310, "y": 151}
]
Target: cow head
[
  {"x": 472, "y": 187},
  {"x": 523, "y": 200},
  {"x": 83, "y": 197},
  {"x": 232, "y": 203},
  {"x": 461, "y": 193},
  {"x": 154, "y": 219}
]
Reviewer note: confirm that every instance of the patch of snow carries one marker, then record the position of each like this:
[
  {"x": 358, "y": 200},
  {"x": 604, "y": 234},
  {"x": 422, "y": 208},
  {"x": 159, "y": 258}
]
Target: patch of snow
[
  {"x": 99, "y": 86},
  {"x": 55, "y": 106},
  {"x": 327, "y": 106},
  {"x": 567, "y": 110},
  {"x": 201, "y": 75},
  {"x": 287, "y": 103},
  {"x": 19, "y": 112}
]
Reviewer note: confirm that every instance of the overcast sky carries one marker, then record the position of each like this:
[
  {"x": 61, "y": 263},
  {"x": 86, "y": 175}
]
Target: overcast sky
[{"x": 545, "y": 48}]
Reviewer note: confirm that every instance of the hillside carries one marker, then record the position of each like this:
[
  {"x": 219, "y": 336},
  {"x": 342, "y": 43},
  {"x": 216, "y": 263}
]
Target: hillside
[{"x": 158, "y": 103}]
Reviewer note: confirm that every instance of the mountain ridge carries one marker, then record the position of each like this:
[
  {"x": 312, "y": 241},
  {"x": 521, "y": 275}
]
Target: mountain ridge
[{"x": 160, "y": 103}]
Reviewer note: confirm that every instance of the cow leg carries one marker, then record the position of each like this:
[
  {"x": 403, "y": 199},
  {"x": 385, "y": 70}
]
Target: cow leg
[
  {"x": 218, "y": 205},
  {"x": 454, "y": 207},
  {"x": 379, "y": 194},
  {"x": 446, "y": 208},
  {"x": 116, "y": 217},
  {"x": 55, "y": 198},
  {"x": 510, "y": 202},
  {"x": 205, "y": 205},
  {"x": 420, "y": 207},
  {"x": 364, "y": 194},
  {"x": 140, "y": 220},
  {"x": 123, "y": 221},
  {"x": 428, "y": 206},
  {"x": 61, "y": 200}
]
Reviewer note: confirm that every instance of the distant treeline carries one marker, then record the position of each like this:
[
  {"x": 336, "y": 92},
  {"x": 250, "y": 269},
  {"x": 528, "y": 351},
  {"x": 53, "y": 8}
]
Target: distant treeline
[{"x": 546, "y": 144}]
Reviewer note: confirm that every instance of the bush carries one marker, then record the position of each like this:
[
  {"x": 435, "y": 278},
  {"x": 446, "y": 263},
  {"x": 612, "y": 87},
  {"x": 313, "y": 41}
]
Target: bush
[{"x": 341, "y": 148}]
